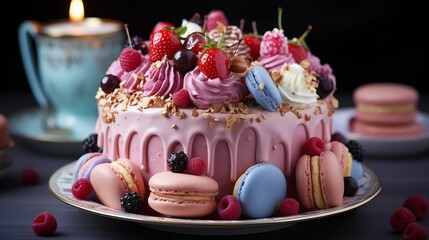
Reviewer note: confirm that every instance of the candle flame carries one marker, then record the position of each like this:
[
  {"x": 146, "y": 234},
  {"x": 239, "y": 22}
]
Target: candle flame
[{"x": 76, "y": 12}]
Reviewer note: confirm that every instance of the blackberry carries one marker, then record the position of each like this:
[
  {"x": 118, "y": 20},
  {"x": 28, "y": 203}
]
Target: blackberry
[
  {"x": 325, "y": 86},
  {"x": 339, "y": 137},
  {"x": 131, "y": 202},
  {"x": 90, "y": 144},
  {"x": 351, "y": 186},
  {"x": 138, "y": 43},
  {"x": 356, "y": 150},
  {"x": 177, "y": 162}
]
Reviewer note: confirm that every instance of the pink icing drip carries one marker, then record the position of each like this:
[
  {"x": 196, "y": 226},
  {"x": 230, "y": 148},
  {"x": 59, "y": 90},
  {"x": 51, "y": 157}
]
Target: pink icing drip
[
  {"x": 162, "y": 80},
  {"x": 204, "y": 91},
  {"x": 275, "y": 62},
  {"x": 276, "y": 140}
]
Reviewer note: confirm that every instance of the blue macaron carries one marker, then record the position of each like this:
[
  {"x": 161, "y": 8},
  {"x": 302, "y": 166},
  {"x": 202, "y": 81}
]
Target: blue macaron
[
  {"x": 262, "y": 88},
  {"x": 260, "y": 189},
  {"x": 357, "y": 170}
]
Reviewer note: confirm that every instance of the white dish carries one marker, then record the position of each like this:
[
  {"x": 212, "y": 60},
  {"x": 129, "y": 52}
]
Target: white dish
[
  {"x": 60, "y": 184},
  {"x": 27, "y": 126},
  {"x": 377, "y": 146}
]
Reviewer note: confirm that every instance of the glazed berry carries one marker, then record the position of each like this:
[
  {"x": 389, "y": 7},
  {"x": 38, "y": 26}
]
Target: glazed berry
[
  {"x": 288, "y": 207},
  {"x": 90, "y": 144},
  {"x": 185, "y": 60},
  {"x": 81, "y": 188},
  {"x": 339, "y": 137},
  {"x": 401, "y": 218},
  {"x": 181, "y": 98},
  {"x": 131, "y": 202},
  {"x": 415, "y": 231},
  {"x": 44, "y": 224},
  {"x": 196, "y": 166},
  {"x": 229, "y": 208},
  {"x": 356, "y": 150},
  {"x": 130, "y": 59},
  {"x": 314, "y": 146},
  {"x": 351, "y": 186},
  {"x": 325, "y": 86},
  {"x": 177, "y": 162},
  {"x": 138, "y": 43},
  {"x": 194, "y": 42},
  {"x": 418, "y": 204},
  {"x": 109, "y": 83},
  {"x": 29, "y": 176}
]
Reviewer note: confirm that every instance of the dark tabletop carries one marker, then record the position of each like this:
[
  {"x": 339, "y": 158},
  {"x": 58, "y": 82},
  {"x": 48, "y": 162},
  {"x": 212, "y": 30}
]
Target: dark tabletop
[{"x": 400, "y": 177}]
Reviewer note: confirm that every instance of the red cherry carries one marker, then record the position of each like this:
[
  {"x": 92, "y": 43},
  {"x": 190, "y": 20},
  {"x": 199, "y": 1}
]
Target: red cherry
[{"x": 194, "y": 41}]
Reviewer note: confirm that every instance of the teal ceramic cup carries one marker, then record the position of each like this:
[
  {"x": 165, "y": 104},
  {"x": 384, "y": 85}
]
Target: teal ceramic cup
[{"x": 64, "y": 63}]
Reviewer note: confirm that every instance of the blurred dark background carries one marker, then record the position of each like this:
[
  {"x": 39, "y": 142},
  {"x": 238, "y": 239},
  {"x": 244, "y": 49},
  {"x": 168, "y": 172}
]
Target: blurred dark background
[{"x": 363, "y": 41}]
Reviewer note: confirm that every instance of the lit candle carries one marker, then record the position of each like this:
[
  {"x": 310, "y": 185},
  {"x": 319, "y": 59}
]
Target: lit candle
[{"x": 80, "y": 26}]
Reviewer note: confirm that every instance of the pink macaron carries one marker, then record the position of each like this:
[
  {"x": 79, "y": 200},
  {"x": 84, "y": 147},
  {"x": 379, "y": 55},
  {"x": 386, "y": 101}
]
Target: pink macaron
[
  {"x": 182, "y": 195},
  {"x": 386, "y": 109},
  {"x": 319, "y": 181},
  {"x": 343, "y": 155},
  {"x": 111, "y": 181}
]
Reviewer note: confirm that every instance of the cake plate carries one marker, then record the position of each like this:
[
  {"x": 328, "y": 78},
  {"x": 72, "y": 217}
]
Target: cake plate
[
  {"x": 384, "y": 146},
  {"x": 61, "y": 181}
]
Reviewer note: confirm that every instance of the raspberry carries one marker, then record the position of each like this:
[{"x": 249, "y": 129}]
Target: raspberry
[
  {"x": 181, "y": 98},
  {"x": 418, "y": 204},
  {"x": 196, "y": 166},
  {"x": 131, "y": 202},
  {"x": 288, "y": 207},
  {"x": 415, "y": 231},
  {"x": 81, "y": 188},
  {"x": 314, "y": 146},
  {"x": 356, "y": 150},
  {"x": 130, "y": 59},
  {"x": 177, "y": 162},
  {"x": 44, "y": 224},
  {"x": 273, "y": 43},
  {"x": 339, "y": 137},
  {"x": 229, "y": 208},
  {"x": 401, "y": 218},
  {"x": 29, "y": 176}
]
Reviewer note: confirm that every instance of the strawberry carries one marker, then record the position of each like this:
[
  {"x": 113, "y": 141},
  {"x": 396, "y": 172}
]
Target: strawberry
[
  {"x": 298, "y": 48},
  {"x": 213, "y": 61},
  {"x": 253, "y": 40},
  {"x": 160, "y": 25},
  {"x": 130, "y": 59},
  {"x": 165, "y": 42}
]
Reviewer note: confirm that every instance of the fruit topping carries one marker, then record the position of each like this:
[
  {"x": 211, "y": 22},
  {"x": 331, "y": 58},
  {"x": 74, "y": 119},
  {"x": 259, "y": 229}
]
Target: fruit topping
[
  {"x": 253, "y": 40},
  {"x": 213, "y": 61},
  {"x": 237, "y": 64},
  {"x": 351, "y": 186},
  {"x": 356, "y": 150},
  {"x": 138, "y": 43},
  {"x": 81, "y": 188},
  {"x": 339, "y": 137},
  {"x": 215, "y": 16},
  {"x": 185, "y": 60},
  {"x": 194, "y": 42},
  {"x": 314, "y": 146},
  {"x": 177, "y": 162},
  {"x": 325, "y": 86},
  {"x": 418, "y": 204},
  {"x": 401, "y": 218},
  {"x": 131, "y": 202},
  {"x": 90, "y": 143},
  {"x": 196, "y": 166},
  {"x": 181, "y": 98},
  {"x": 161, "y": 25},
  {"x": 29, "y": 176},
  {"x": 298, "y": 47},
  {"x": 165, "y": 41},
  {"x": 274, "y": 42},
  {"x": 415, "y": 231},
  {"x": 229, "y": 208},
  {"x": 288, "y": 207},
  {"x": 44, "y": 224}
]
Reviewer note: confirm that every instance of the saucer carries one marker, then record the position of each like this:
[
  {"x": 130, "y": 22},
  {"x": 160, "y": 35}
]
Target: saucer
[
  {"x": 28, "y": 127},
  {"x": 384, "y": 146}
]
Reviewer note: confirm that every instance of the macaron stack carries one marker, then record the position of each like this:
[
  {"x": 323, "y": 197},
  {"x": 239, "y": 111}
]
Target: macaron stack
[{"x": 386, "y": 110}]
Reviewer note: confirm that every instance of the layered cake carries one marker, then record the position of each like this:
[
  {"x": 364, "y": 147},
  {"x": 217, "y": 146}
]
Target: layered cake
[{"x": 231, "y": 99}]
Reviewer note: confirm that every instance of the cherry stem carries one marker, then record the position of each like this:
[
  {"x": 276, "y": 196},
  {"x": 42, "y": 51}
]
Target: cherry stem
[
  {"x": 255, "y": 29},
  {"x": 242, "y": 21},
  {"x": 128, "y": 35},
  {"x": 305, "y": 34},
  {"x": 205, "y": 23},
  {"x": 280, "y": 18}
]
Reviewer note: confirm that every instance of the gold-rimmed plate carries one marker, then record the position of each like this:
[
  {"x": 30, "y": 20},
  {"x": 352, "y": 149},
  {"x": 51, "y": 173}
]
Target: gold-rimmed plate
[{"x": 61, "y": 181}]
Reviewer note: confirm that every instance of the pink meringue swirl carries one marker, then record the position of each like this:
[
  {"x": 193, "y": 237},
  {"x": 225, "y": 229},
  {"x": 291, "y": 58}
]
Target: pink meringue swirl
[
  {"x": 321, "y": 69},
  {"x": 115, "y": 69},
  {"x": 162, "y": 79},
  {"x": 275, "y": 62},
  {"x": 205, "y": 92},
  {"x": 134, "y": 79}
]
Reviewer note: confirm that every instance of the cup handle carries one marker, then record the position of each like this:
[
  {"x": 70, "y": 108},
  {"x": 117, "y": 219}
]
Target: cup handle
[{"x": 26, "y": 35}]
